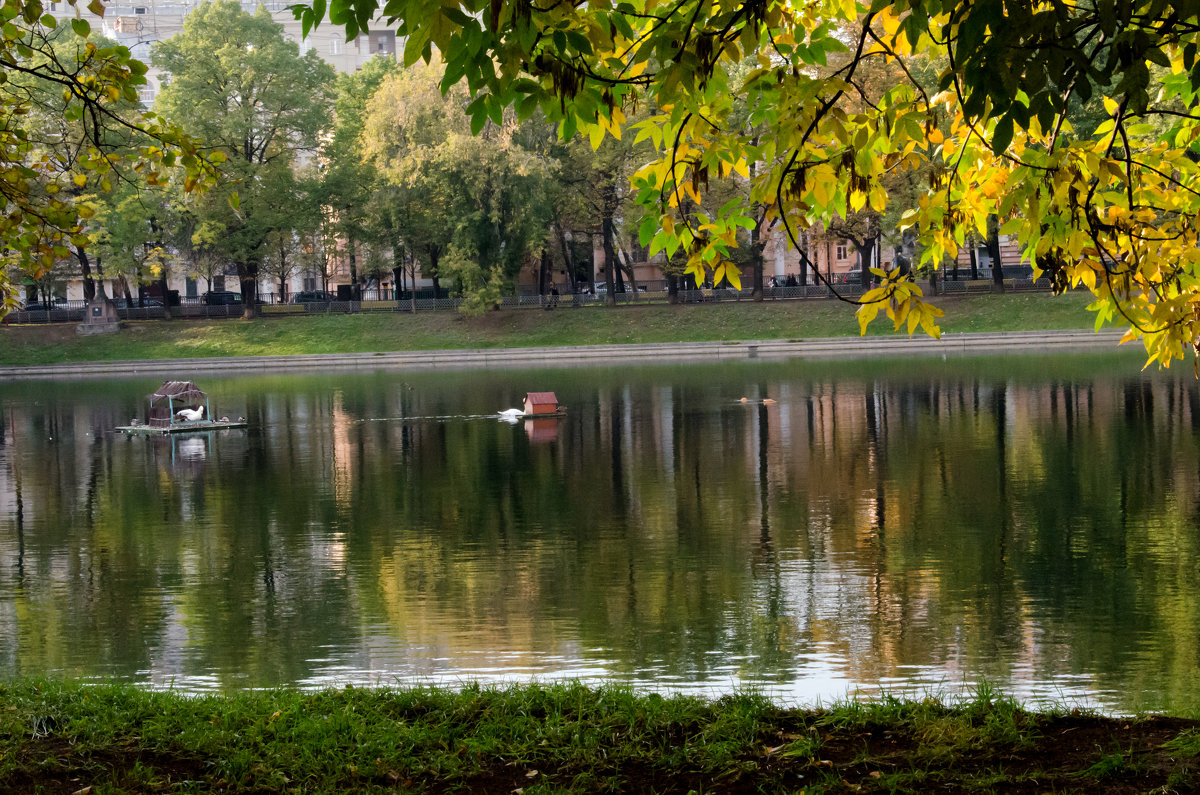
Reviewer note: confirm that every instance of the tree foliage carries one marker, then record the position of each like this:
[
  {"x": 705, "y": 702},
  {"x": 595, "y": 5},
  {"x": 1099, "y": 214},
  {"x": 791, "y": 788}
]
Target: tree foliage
[
  {"x": 475, "y": 192},
  {"x": 1112, "y": 208},
  {"x": 69, "y": 129},
  {"x": 238, "y": 84}
]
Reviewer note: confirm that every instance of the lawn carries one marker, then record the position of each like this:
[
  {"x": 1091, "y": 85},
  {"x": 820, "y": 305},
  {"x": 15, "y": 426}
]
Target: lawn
[
  {"x": 67, "y": 737},
  {"x": 392, "y": 331}
]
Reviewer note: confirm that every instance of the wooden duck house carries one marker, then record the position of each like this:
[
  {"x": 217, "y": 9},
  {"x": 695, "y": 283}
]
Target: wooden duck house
[{"x": 541, "y": 404}]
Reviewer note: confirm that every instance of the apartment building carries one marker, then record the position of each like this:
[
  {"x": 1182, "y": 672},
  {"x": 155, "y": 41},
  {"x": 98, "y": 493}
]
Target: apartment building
[{"x": 140, "y": 24}]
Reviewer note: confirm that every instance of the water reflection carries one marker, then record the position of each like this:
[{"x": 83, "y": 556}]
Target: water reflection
[{"x": 906, "y": 526}]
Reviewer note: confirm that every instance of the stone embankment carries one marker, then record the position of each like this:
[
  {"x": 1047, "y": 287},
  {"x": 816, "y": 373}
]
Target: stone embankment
[{"x": 657, "y": 353}]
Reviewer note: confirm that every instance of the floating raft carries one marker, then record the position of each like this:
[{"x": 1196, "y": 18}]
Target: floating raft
[{"x": 181, "y": 427}]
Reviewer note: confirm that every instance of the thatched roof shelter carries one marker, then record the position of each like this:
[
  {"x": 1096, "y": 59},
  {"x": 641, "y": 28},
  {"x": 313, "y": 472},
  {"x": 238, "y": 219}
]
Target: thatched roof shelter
[
  {"x": 173, "y": 396},
  {"x": 179, "y": 391}
]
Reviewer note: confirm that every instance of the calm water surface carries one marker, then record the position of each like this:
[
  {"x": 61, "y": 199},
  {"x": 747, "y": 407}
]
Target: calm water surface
[{"x": 906, "y": 526}]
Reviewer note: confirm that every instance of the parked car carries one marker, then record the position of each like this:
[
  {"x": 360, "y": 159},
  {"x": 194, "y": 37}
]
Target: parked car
[
  {"x": 221, "y": 298},
  {"x": 312, "y": 297},
  {"x": 602, "y": 289}
]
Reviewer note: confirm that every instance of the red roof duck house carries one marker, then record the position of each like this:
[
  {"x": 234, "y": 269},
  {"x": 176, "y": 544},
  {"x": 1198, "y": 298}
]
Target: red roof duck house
[{"x": 541, "y": 404}]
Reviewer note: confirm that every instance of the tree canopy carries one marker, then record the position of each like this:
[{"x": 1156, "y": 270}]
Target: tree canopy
[
  {"x": 71, "y": 128},
  {"x": 471, "y": 207},
  {"x": 986, "y": 100},
  {"x": 237, "y": 83}
]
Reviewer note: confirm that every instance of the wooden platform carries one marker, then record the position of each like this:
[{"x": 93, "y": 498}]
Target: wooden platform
[
  {"x": 561, "y": 411},
  {"x": 181, "y": 427}
]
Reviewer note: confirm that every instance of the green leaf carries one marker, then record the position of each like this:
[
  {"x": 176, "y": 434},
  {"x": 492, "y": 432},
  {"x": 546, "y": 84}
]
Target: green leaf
[
  {"x": 364, "y": 11},
  {"x": 340, "y": 12},
  {"x": 81, "y": 27},
  {"x": 1003, "y": 134},
  {"x": 647, "y": 229},
  {"x": 579, "y": 42}
]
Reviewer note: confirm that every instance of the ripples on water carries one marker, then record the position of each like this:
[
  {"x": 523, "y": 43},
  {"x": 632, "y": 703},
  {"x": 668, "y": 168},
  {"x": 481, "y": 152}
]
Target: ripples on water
[{"x": 905, "y": 528}]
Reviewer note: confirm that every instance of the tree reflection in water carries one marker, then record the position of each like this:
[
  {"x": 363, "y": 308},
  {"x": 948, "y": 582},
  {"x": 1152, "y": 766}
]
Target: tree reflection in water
[{"x": 909, "y": 524}]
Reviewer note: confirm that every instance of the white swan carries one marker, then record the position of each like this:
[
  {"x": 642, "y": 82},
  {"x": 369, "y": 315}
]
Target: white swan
[
  {"x": 512, "y": 413},
  {"x": 190, "y": 415}
]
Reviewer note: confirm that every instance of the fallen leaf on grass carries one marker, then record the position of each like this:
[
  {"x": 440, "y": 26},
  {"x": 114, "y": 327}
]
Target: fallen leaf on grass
[{"x": 531, "y": 774}]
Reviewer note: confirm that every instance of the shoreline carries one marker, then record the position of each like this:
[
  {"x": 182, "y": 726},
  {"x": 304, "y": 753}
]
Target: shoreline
[
  {"x": 975, "y": 343},
  {"x": 66, "y": 736}
]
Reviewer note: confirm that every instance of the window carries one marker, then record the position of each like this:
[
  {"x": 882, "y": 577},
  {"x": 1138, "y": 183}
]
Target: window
[
  {"x": 841, "y": 250},
  {"x": 218, "y": 283},
  {"x": 335, "y": 45},
  {"x": 139, "y": 10}
]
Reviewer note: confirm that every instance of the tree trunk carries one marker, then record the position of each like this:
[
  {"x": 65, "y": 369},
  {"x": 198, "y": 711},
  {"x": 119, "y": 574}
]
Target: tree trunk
[
  {"x": 568, "y": 262},
  {"x": 89, "y": 284},
  {"x": 398, "y": 270},
  {"x": 672, "y": 289},
  {"x": 974, "y": 262},
  {"x": 248, "y": 280},
  {"x": 610, "y": 259},
  {"x": 627, "y": 268},
  {"x": 433, "y": 272},
  {"x": 756, "y": 255},
  {"x": 864, "y": 259},
  {"x": 805, "y": 262},
  {"x": 545, "y": 272},
  {"x": 100, "y": 280},
  {"x": 412, "y": 292},
  {"x": 993, "y": 244},
  {"x": 354, "y": 296},
  {"x": 166, "y": 294}
]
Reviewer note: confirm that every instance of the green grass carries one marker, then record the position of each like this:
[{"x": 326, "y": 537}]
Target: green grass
[
  {"x": 66, "y": 737},
  {"x": 387, "y": 331}
]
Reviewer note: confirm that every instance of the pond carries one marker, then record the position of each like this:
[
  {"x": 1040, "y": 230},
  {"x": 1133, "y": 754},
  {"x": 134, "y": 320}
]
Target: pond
[{"x": 911, "y": 527}]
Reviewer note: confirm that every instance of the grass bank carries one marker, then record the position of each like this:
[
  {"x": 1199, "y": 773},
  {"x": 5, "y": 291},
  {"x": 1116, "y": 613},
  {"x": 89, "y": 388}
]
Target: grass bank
[
  {"x": 369, "y": 333},
  {"x": 61, "y": 737}
]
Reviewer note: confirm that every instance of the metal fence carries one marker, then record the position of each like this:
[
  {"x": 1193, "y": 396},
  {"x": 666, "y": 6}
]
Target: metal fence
[{"x": 192, "y": 308}]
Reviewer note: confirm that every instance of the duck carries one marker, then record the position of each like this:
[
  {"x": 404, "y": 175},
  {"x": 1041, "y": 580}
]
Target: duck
[
  {"x": 190, "y": 415},
  {"x": 223, "y": 419},
  {"x": 768, "y": 402}
]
